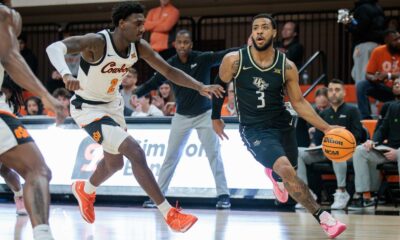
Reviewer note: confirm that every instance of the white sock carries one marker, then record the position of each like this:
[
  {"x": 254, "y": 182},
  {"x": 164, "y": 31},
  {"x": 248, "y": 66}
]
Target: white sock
[
  {"x": 42, "y": 232},
  {"x": 164, "y": 208},
  {"x": 89, "y": 188},
  {"x": 18, "y": 194}
]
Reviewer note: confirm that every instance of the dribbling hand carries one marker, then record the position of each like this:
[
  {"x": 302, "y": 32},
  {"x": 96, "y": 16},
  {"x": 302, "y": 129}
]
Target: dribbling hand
[{"x": 218, "y": 126}]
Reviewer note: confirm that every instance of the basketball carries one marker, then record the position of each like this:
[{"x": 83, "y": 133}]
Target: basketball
[{"x": 338, "y": 145}]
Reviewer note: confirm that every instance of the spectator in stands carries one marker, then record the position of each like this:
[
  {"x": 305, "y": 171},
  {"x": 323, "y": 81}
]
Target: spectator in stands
[
  {"x": 383, "y": 67},
  {"x": 13, "y": 95},
  {"x": 64, "y": 96},
  {"x": 321, "y": 103},
  {"x": 27, "y": 53},
  {"x": 165, "y": 99},
  {"x": 229, "y": 108},
  {"x": 305, "y": 131},
  {"x": 342, "y": 114},
  {"x": 385, "y": 147},
  {"x": 289, "y": 43},
  {"x": 385, "y": 107},
  {"x": 33, "y": 106},
  {"x": 144, "y": 108},
  {"x": 393, "y": 24},
  {"x": 367, "y": 32},
  {"x": 193, "y": 111},
  {"x": 128, "y": 86},
  {"x": 161, "y": 22}
]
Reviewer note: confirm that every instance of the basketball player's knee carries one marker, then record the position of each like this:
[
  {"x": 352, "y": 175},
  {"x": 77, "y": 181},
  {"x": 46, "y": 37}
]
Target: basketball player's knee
[
  {"x": 40, "y": 173},
  {"x": 114, "y": 136},
  {"x": 116, "y": 165}
]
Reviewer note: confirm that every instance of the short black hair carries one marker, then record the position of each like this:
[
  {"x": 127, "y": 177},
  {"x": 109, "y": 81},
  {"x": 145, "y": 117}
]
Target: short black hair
[
  {"x": 125, "y": 9},
  {"x": 265, "y": 15},
  {"x": 184, "y": 31},
  {"x": 337, "y": 81}
]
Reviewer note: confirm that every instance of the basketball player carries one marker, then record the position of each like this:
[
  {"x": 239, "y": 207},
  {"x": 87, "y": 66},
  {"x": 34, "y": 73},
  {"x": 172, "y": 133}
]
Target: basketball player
[
  {"x": 98, "y": 106},
  {"x": 17, "y": 149},
  {"x": 260, "y": 74}
]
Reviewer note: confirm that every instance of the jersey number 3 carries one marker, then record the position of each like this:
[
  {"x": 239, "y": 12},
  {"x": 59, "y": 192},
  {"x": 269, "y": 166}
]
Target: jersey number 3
[
  {"x": 113, "y": 84},
  {"x": 261, "y": 98}
]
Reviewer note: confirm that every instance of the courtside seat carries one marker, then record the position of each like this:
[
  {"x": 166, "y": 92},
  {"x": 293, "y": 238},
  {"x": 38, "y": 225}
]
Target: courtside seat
[{"x": 390, "y": 182}]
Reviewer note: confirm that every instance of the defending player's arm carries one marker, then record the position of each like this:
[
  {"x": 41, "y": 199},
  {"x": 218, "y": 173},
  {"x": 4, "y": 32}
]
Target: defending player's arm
[
  {"x": 91, "y": 47},
  {"x": 300, "y": 105},
  {"x": 15, "y": 65},
  {"x": 175, "y": 75},
  {"x": 227, "y": 70}
]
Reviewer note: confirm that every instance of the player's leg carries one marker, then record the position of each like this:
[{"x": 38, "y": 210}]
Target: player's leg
[
  {"x": 12, "y": 180},
  {"x": 27, "y": 160},
  {"x": 85, "y": 191},
  {"x": 209, "y": 140},
  {"x": 20, "y": 153},
  {"x": 175, "y": 219},
  {"x": 299, "y": 191}
]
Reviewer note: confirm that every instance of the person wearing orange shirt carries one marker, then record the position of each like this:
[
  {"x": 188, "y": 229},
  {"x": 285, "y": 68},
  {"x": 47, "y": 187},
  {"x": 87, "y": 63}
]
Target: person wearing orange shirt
[
  {"x": 159, "y": 22},
  {"x": 229, "y": 108},
  {"x": 382, "y": 68}
]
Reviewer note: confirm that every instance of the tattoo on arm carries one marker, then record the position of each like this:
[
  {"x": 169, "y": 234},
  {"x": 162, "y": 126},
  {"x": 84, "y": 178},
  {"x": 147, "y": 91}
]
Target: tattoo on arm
[
  {"x": 235, "y": 67},
  {"x": 301, "y": 193}
]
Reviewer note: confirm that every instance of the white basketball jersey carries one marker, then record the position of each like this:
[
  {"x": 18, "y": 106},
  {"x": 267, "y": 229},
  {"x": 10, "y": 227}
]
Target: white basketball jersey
[{"x": 101, "y": 81}]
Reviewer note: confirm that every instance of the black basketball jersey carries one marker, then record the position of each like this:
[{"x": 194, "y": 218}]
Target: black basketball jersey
[{"x": 259, "y": 92}]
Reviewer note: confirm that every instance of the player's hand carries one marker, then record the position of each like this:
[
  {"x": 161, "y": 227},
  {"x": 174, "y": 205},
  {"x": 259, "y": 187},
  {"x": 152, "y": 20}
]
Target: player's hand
[
  {"x": 54, "y": 105},
  {"x": 71, "y": 83},
  {"x": 330, "y": 127},
  {"x": 369, "y": 145},
  {"x": 209, "y": 90},
  {"x": 218, "y": 126}
]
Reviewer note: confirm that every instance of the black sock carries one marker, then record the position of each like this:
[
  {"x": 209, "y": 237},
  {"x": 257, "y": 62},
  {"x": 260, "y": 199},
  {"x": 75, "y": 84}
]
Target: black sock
[{"x": 317, "y": 214}]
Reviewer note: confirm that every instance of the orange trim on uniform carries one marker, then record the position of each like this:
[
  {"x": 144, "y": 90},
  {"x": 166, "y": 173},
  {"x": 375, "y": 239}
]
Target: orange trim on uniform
[
  {"x": 8, "y": 113},
  {"x": 95, "y": 120}
]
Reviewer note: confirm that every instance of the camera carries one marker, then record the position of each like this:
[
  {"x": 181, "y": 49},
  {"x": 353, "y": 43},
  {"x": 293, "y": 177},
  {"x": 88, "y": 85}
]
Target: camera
[{"x": 344, "y": 16}]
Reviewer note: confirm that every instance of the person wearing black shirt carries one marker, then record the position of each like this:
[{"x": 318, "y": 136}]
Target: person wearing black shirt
[
  {"x": 367, "y": 32},
  {"x": 261, "y": 75},
  {"x": 193, "y": 111},
  {"x": 341, "y": 114},
  {"x": 290, "y": 44},
  {"x": 385, "y": 147},
  {"x": 385, "y": 107}
]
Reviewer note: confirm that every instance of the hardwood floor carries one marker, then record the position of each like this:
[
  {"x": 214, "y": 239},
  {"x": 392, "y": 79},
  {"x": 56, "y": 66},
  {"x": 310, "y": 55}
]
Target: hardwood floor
[{"x": 147, "y": 224}]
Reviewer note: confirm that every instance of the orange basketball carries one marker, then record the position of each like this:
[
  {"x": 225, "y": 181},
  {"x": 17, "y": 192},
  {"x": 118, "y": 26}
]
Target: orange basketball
[{"x": 338, "y": 145}]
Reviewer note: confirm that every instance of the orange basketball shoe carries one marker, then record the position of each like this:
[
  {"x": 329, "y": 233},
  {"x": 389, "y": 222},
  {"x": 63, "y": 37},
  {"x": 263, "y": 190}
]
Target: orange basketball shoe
[
  {"x": 85, "y": 201},
  {"x": 180, "y": 222}
]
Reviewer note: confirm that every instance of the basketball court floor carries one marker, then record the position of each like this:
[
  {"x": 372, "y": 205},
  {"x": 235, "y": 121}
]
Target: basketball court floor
[{"x": 136, "y": 223}]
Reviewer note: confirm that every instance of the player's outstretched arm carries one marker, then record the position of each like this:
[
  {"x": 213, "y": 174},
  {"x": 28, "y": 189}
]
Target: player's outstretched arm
[
  {"x": 227, "y": 70},
  {"x": 15, "y": 65},
  {"x": 175, "y": 75},
  {"x": 300, "y": 105},
  {"x": 90, "y": 45}
]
